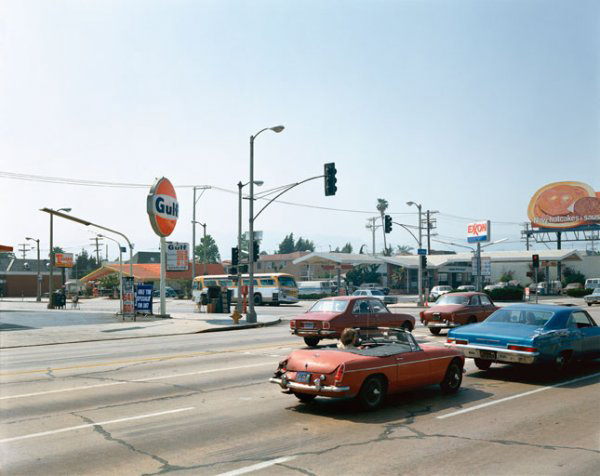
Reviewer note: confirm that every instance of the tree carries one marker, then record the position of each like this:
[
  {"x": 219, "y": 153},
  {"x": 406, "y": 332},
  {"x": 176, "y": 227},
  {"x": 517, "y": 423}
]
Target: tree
[
  {"x": 363, "y": 274},
  {"x": 84, "y": 264},
  {"x": 287, "y": 245},
  {"x": 208, "y": 251},
  {"x": 347, "y": 248},
  {"x": 110, "y": 281},
  {"x": 404, "y": 249},
  {"x": 382, "y": 205},
  {"x": 304, "y": 245}
]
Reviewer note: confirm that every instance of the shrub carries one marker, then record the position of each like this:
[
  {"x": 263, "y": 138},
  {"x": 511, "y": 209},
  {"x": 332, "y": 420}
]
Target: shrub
[
  {"x": 513, "y": 293},
  {"x": 579, "y": 292},
  {"x": 310, "y": 297}
]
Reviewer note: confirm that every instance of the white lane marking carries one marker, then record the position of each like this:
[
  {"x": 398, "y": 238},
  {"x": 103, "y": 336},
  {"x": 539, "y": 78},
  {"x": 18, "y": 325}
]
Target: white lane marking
[
  {"x": 256, "y": 467},
  {"x": 519, "y": 395},
  {"x": 148, "y": 379},
  {"x": 88, "y": 425}
]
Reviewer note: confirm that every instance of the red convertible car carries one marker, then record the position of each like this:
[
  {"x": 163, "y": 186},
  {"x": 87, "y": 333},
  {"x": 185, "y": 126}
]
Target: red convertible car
[
  {"x": 457, "y": 309},
  {"x": 387, "y": 361},
  {"x": 328, "y": 317}
]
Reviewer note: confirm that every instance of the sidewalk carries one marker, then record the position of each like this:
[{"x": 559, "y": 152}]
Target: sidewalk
[{"x": 21, "y": 327}]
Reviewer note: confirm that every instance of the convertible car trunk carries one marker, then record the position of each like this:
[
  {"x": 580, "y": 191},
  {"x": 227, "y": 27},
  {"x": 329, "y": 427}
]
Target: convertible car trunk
[{"x": 317, "y": 361}]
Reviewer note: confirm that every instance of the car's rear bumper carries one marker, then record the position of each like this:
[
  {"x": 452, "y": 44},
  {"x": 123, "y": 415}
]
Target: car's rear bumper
[
  {"x": 496, "y": 354},
  {"x": 314, "y": 332},
  {"x": 441, "y": 324},
  {"x": 325, "y": 390}
]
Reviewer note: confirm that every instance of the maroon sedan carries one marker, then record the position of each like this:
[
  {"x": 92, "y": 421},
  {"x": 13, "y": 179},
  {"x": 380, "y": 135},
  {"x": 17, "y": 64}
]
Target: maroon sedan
[
  {"x": 327, "y": 318},
  {"x": 457, "y": 309}
]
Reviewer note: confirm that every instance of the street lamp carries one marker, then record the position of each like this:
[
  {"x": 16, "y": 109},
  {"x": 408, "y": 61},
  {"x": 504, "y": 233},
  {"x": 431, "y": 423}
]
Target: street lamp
[
  {"x": 120, "y": 269},
  {"x": 51, "y": 278},
  {"x": 204, "y": 188},
  {"x": 238, "y": 305},
  {"x": 39, "y": 275},
  {"x": 251, "y": 315},
  {"x": 420, "y": 275}
]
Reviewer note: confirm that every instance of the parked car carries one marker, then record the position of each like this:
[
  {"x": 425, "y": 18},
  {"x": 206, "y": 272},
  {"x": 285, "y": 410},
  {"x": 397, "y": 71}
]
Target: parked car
[
  {"x": 387, "y": 361},
  {"x": 593, "y": 298},
  {"x": 375, "y": 287},
  {"x": 500, "y": 285},
  {"x": 328, "y": 317},
  {"x": 592, "y": 283},
  {"x": 529, "y": 334},
  {"x": 457, "y": 309},
  {"x": 554, "y": 287},
  {"x": 377, "y": 294},
  {"x": 438, "y": 291},
  {"x": 466, "y": 288},
  {"x": 169, "y": 292},
  {"x": 571, "y": 286}
]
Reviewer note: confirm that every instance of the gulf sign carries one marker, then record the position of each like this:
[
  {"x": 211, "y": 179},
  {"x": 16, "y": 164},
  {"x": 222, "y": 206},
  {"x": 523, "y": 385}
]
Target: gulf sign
[
  {"x": 478, "y": 231},
  {"x": 162, "y": 207}
]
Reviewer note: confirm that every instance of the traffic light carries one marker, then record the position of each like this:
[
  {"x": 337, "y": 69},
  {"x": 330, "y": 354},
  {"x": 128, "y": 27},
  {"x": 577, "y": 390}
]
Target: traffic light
[
  {"x": 330, "y": 179},
  {"x": 255, "y": 250},
  {"x": 535, "y": 261},
  {"x": 388, "y": 224},
  {"x": 235, "y": 256},
  {"x": 423, "y": 261}
]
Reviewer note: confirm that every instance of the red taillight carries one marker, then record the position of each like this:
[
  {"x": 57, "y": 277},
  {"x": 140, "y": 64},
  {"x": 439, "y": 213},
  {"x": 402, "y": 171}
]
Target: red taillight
[
  {"x": 422, "y": 315},
  {"x": 325, "y": 325},
  {"x": 450, "y": 340},
  {"x": 339, "y": 375},
  {"x": 293, "y": 324},
  {"x": 462, "y": 341},
  {"x": 522, "y": 348},
  {"x": 283, "y": 366}
]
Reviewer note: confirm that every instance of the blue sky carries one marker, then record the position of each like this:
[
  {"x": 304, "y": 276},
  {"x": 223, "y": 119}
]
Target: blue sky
[{"x": 467, "y": 107}]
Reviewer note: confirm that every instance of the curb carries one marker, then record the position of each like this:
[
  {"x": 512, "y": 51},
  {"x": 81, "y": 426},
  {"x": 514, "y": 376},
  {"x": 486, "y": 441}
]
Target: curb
[{"x": 203, "y": 331}]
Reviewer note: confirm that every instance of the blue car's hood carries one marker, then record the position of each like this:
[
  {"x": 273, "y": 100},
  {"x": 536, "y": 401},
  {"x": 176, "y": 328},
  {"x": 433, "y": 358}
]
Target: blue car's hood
[{"x": 496, "y": 334}]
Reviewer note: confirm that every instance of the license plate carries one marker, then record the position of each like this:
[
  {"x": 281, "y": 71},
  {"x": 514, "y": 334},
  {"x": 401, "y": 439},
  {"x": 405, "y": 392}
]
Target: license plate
[
  {"x": 309, "y": 325},
  {"x": 487, "y": 354},
  {"x": 302, "y": 377},
  {"x": 436, "y": 317}
]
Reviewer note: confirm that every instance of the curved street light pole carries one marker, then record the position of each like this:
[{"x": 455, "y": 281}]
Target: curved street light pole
[{"x": 251, "y": 314}]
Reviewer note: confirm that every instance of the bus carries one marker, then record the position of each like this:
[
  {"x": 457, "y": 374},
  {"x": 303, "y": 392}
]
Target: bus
[{"x": 269, "y": 288}]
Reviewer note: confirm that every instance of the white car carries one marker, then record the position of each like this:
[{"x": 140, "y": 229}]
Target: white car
[
  {"x": 438, "y": 291},
  {"x": 377, "y": 294},
  {"x": 466, "y": 288},
  {"x": 593, "y": 298}
]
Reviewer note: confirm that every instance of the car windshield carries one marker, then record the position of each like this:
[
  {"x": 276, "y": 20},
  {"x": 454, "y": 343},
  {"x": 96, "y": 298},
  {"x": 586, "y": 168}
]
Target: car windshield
[
  {"x": 377, "y": 293},
  {"x": 450, "y": 299},
  {"x": 329, "y": 305},
  {"x": 386, "y": 336},
  {"x": 527, "y": 317}
]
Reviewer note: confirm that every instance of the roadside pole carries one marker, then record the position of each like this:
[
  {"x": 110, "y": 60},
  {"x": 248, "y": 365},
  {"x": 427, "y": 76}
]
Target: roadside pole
[
  {"x": 163, "y": 274},
  {"x": 478, "y": 261}
]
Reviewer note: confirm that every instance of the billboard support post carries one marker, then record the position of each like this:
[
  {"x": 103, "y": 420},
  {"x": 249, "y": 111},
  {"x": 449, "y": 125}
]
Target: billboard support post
[{"x": 163, "y": 268}]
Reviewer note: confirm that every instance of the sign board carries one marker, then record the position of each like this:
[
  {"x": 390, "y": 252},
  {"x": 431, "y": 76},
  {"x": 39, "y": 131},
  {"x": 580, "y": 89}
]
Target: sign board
[
  {"x": 549, "y": 263},
  {"x": 421, "y": 251},
  {"x": 128, "y": 297},
  {"x": 162, "y": 207},
  {"x": 143, "y": 298},
  {"x": 486, "y": 266},
  {"x": 178, "y": 256},
  {"x": 63, "y": 260},
  {"x": 564, "y": 206},
  {"x": 478, "y": 231}
]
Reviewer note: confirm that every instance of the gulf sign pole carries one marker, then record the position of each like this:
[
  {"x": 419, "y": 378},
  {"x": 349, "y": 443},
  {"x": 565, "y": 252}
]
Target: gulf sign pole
[{"x": 163, "y": 211}]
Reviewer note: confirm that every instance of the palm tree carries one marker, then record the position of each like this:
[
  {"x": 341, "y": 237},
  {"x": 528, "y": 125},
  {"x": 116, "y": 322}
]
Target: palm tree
[
  {"x": 382, "y": 205},
  {"x": 404, "y": 249}
]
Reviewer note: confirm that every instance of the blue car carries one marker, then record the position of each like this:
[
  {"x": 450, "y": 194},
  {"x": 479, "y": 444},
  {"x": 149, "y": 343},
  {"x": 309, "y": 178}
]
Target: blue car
[{"x": 529, "y": 334}]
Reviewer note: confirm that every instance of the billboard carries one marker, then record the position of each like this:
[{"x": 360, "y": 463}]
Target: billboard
[
  {"x": 162, "y": 207},
  {"x": 63, "y": 260},
  {"x": 478, "y": 231},
  {"x": 178, "y": 256},
  {"x": 564, "y": 206}
]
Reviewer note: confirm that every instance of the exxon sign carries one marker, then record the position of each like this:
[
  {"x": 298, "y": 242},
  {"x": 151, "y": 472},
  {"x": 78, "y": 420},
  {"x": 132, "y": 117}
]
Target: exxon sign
[
  {"x": 478, "y": 231},
  {"x": 162, "y": 207}
]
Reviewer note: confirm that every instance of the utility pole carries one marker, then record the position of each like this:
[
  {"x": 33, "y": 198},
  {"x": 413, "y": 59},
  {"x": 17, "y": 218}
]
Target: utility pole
[
  {"x": 373, "y": 227},
  {"x": 430, "y": 224},
  {"x": 527, "y": 236},
  {"x": 24, "y": 249},
  {"x": 204, "y": 188},
  {"x": 97, "y": 240}
]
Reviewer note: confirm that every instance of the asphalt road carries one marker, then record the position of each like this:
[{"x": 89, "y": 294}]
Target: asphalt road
[{"x": 201, "y": 404}]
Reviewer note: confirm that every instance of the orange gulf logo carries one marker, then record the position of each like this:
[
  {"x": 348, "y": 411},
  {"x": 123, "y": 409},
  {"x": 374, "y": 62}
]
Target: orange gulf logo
[{"x": 162, "y": 207}]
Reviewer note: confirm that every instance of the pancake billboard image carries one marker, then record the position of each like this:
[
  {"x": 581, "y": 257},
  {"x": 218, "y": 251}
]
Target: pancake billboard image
[{"x": 564, "y": 206}]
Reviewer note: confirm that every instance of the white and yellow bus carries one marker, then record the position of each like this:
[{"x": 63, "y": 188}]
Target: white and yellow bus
[{"x": 269, "y": 288}]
